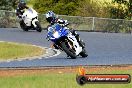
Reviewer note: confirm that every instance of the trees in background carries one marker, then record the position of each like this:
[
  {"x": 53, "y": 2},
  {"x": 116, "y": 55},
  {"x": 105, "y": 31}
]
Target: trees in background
[
  {"x": 8, "y": 4},
  {"x": 5, "y": 5},
  {"x": 121, "y": 9},
  {"x": 93, "y": 8},
  {"x": 71, "y": 7},
  {"x": 67, "y": 7}
]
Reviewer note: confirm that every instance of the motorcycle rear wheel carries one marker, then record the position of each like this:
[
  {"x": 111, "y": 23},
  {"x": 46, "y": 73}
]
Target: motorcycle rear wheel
[{"x": 83, "y": 53}]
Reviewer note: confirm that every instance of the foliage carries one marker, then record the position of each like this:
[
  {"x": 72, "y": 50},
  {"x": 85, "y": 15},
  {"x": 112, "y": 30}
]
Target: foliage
[
  {"x": 93, "y": 9},
  {"x": 121, "y": 9},
  {"x": 8, "y": 4},
  {"x": 5, "y": 5},
  {"x": 73, "y": 7},
  {"x": 58, "y": 6}
]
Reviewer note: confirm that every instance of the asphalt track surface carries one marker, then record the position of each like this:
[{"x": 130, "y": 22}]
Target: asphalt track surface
[{"x": 102, "y": 48}]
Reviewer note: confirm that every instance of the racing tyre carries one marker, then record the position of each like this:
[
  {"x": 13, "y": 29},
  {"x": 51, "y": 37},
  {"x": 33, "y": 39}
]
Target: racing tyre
[
  {"x": 83, "y": 53},
  {"x": 39, "y": 29},
  {"x": 23, "y": 26},
  {"x": 68, "y": 51}
]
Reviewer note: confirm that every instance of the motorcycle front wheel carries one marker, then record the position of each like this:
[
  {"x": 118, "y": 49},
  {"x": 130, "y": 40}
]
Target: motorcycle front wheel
[
  {"x": 68, "y": 51},
  {"x": 39, "y": 29},
  {"x": 23, "y": 26}
]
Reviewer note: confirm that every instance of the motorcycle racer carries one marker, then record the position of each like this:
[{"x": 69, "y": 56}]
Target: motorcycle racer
[
  {"x": 20, "y": 10},
  {"x": 52, "y": 18}
]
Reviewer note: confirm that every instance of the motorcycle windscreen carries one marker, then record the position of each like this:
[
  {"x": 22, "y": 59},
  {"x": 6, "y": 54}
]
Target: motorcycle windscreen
[
  {"x": 30, "y": 11},
  {"x": 57, "y": 27},
  {"x": 62, "y": 30}
]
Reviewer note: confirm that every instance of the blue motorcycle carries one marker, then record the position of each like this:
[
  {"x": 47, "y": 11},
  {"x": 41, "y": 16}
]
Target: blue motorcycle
[{"x": 66, "y": 41}]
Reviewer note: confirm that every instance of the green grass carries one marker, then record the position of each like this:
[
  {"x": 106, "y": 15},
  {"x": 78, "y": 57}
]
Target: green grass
[
  {"x": 64, "y": 80},
  {"x": 15, "y": 51}
]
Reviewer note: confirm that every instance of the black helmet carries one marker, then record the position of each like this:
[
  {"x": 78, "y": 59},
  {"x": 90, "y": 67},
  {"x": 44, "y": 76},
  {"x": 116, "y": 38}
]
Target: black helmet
[{"x": 22, "y": 4}]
